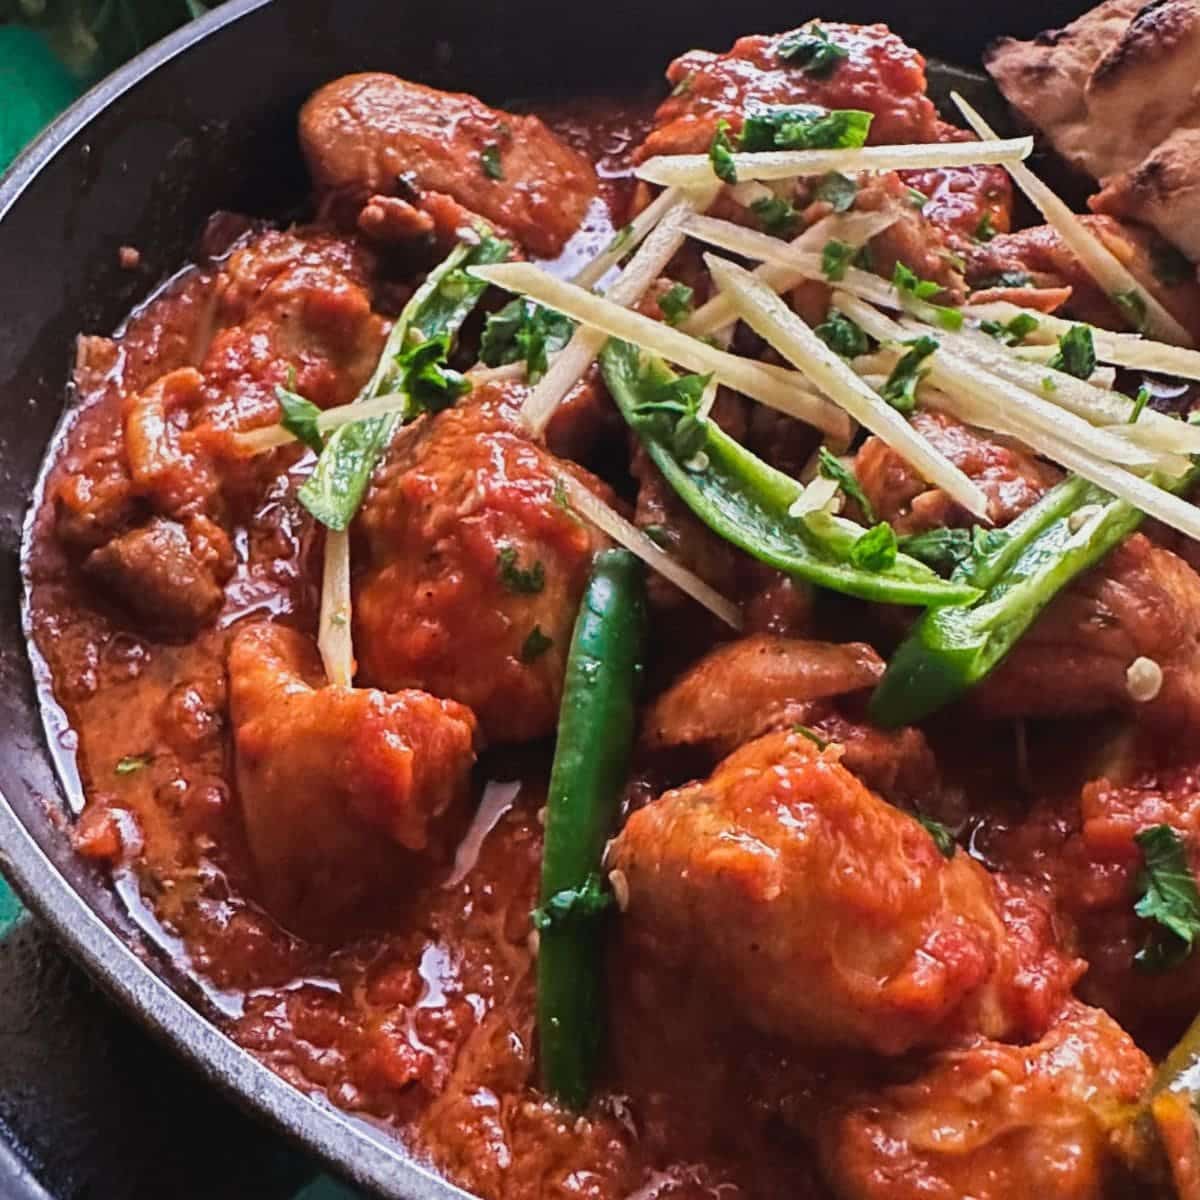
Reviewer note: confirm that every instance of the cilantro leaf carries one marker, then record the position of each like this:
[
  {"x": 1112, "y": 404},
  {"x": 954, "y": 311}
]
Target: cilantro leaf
[
  {"x": 804, "y": 127},
  {"x": 524, "y": 331},
  {"x": 842, "y": 335},
  {"x": 985, "y": 230},
  {"x": 833, "y": 468},
  {"x": 835, "y": 258},
  {"x": 1167, "y": 896},
  {"x": 428, "y": 380},
  {"x": 1143, "y": 398},
  {"x": 489, "y": 157},
  {"x": 876, "y": 550},
  {"x": 836, "y": 190},
  {"x": 676, "y": 303},
  {"x": 571, "y": 906},
  {"x": 522, "y": 580},
  {"x": 131, "y": 764},
  {"x": 811, "y": 49},
  {"x": 778, "y": 217},
  {"x": 943, "y": 839},
  {"x": 1003, "y": 279},
  {"x": 299, "y": 417},
  {"x": 1013, "y": 332},
  {"x": 1076, "y": 352},
  {"x": 900, "y": 388},
  {"x": 720, "y": 154},
  {"x": 673, "y": 409},
  {"x": 915, "y": 293},
  {"x": 535, "y": 645}
]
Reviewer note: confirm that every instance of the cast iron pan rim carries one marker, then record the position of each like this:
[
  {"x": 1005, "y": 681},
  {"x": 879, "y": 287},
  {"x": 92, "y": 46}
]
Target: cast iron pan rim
[{"x": 375, "y": 1162}]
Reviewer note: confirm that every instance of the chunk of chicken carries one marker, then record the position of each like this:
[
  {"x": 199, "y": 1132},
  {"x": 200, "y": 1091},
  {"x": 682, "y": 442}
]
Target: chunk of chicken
[
  {"x": 994, "y": 1121},
  {"x": 752, "y": 686},
  {"x": 336, "y": 783},
  {"x": 1010, "y": 478},
  {"x": 156, "y": 571},
  {"x": 821, "y": 913},
  {"x": 375, "y": 136},
  {"x": 475, "y": 568},
  {"x": 1038, "y": 258},
  {"x": 1115, "y": 92},
  {"x": 1142, "y": 601}
]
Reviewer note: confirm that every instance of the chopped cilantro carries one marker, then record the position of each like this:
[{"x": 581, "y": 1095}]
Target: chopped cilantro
[
  {"x": 523, "y": 580},
  {"x": 1133, "y": 304},
  {"x": 985, "y": 230},
  {"x": 917, "y": 198},
  {"x": 573, "y": 905},
  {"x": 720, "y": 154},
  {"x": 1167, "y": 895},
  {"x": 299, "y": 418},
  {"x": 620, "y": 239},
  {"x": 876, "y": 549},
  {"x": 836, "y": 190},
  {"x": 428, "y": 380},
  {"x": 778, "y": 217},
  {"x": 131, "y": 764},
  {"x": 1003, "y": 279},
  {"x": 835, "y": 258},
  {"x": 1013, "y": 332},
  {"x": 943, "y": 839},
  {"x": 842, "y": 335},
  {"x": 914, "y": 289},
  {"x": 900, "y": 388},
  {"x": 1076, "y": 352},
  {"x": 535, "y": 645},
  {"x": 811, "y": 49},
  {"x": 524, "y": 331},
  {"x": 489, "y": 156},
  {"x": 833, "y": 468},
  {"x": 804, "y": 127},
  {"x": 1048, "y": 384},
  {"x": 673, "y": 408},
  {"x": 812, "y": 735},
  {"x": 676, "y": 303}
]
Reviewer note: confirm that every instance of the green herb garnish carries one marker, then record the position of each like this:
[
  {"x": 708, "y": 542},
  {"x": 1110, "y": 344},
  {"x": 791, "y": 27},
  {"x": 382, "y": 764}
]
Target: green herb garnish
[
  {"x": 811, "y": 49},
  {"x": 985, "y": 230},
  {"x": 1143, "y": 398},
  {"x": 804, "y": 127},
  {"x": 489, "y": 156},
  {"x": 522, "y": 580},
  {"x": 131, "y": 764},
  {"x": 842, "y": 335},
  {"x": 1167, "y": 895},
  {"x": 1013, "y": 332},
  {"x": 1076, "y": 352},
  {"x": 523, "y": 331},
  {"x": 1133, "y": 304},
  {"x": 833, "y": 468},
  {"x": 836, "y": 190},
  {"x": 835, "y": 258},
  {"x": 676, "y": 303},
  {"x": 945, "y": 549},
  {"x": 573, "y": 905},
  {"x": 535, "y": 645},
  {"x": 429, "y": 381},
  {"x": 943, "y": 839},
  {"x": 900, "y": 388},
  {"x": 917, "y": 293},
  {"x": 299, "y": 417},
  {"x": 778, "y": 217},
  {"x": 876, "y": 550},
  {"x": 720, "y": 154}
]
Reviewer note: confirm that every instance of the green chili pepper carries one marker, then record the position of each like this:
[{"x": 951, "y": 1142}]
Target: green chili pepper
[
  {"x": 746, "y": 501},
  {"x": 951, "y": 649},
  {"x": 595, "y": 736}
]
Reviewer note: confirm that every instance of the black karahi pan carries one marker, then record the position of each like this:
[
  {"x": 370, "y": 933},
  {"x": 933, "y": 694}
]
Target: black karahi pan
[{"x": 205, "y": 121}]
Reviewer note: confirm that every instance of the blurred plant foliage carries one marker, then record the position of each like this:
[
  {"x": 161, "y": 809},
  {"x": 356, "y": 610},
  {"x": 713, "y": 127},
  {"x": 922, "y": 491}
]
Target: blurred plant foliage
[{"x": 91, "y": 37}]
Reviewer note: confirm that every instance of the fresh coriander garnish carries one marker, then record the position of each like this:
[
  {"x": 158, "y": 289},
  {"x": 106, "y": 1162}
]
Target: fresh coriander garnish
[
  {"x": 299, "y": 417},
  {"x": 811, "y": 49},
  {"x": 535, "y": 645},
  {"x": 943, "y": 839},
  {"x": 1013, "y": 332},
  {"x": 833, "y": 468},
  {"x": 778, "y": 217},
  {"x": 523, "y": 331},
  {"x": 943, "y": 549},
  {"x": 836, "y": 190},
  {"x": 572, "y": 905},
  {"x": 720, "y": 154},
  {"x": 489, "y": 156},
  {"x": 1167, "y": 896},
  {"x": 900, "y": 388},
  {"x": 1142, "y": 399},
  {"x": 523, "y": 580},
  {"x": 804, "y": 127},
  {"x": 985, "y": 230},
  {"x": 1076, "y": 352},
  {"x": 914, "y": 289},
  {"x": 131, "y": 764},
  {"x": 835, "y": 258},
  {"x": 876, "y": 550},
  {"x": 676, "y": 303},
  {"x": 842, "y": 335},
  {"x": 1133, "y": 304}
]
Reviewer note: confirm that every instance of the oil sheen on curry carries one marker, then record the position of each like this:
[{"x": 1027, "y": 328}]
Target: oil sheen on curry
[{"x": 652, "y": 648}]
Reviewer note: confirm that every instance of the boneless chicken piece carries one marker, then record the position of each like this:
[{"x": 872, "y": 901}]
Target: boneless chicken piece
[
  {"x": 821, "y": 913},
  {"x": 474, "y": 570},
  {"x": 1010, "y": 478},
  {"x": 392, "y": 145},
  {"x": 754, "y": 685},
  {"x": 340, "y": 787},
  {"x": 994, "y": 1121},
  {"x": 1140, "y": 602},
  {"x": 1037, "y": 258}
]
